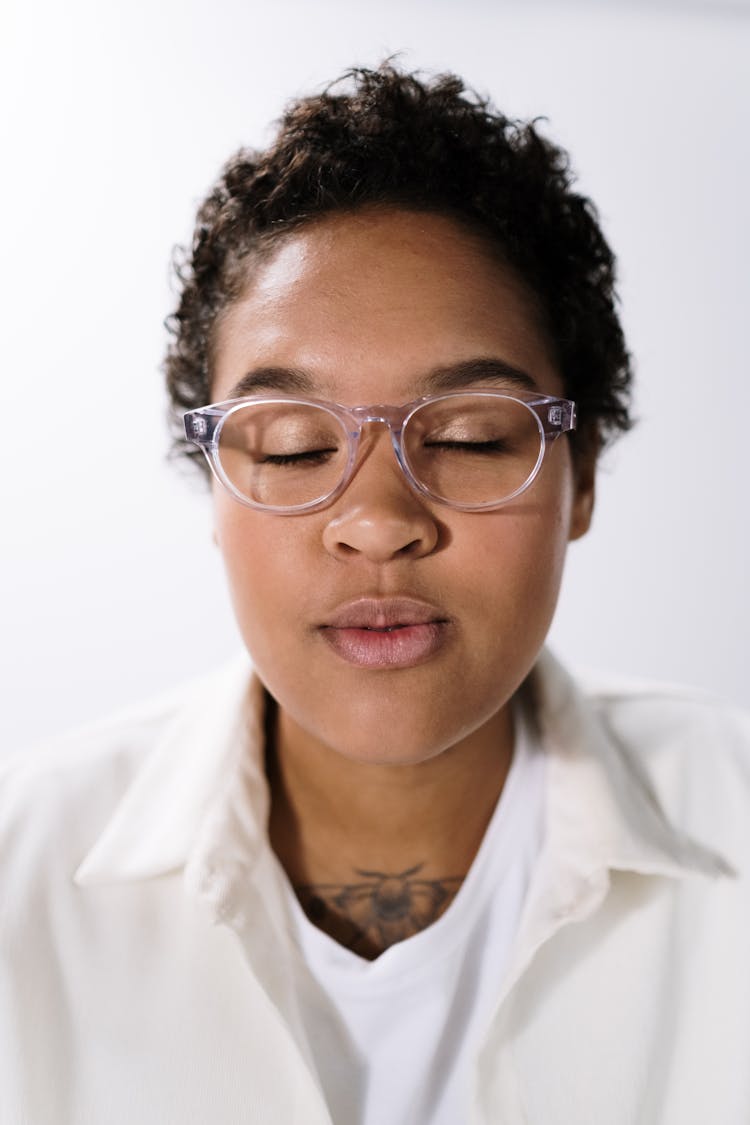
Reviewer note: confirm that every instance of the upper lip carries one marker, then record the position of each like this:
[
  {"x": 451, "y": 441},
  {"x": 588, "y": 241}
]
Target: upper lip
[{"x": 383, "y": 613}]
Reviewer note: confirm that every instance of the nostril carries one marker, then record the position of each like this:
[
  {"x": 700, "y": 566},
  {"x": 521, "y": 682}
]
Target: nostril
[{"x": 410, "y": 548}]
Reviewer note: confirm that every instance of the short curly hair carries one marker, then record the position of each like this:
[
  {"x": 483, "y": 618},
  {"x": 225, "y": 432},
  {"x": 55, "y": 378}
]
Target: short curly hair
[{"x": 384, "y": 137}]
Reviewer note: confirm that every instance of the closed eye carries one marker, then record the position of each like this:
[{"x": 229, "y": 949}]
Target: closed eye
[
  {"x": 308, "y": 457},
  {"x": 496, "y": 445}
]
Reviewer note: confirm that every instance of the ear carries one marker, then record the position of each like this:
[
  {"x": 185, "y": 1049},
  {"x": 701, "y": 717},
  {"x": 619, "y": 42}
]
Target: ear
[{"x": 584, "y": 469}]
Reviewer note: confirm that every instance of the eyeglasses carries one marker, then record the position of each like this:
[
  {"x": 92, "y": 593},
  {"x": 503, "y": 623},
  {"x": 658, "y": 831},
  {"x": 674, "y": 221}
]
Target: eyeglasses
[{"x": 471, "y": 450}]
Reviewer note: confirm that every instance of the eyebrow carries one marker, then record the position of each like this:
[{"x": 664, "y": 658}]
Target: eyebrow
[
  {"x": 284, "y": 379},
  {"x": 455, "y": 376}
]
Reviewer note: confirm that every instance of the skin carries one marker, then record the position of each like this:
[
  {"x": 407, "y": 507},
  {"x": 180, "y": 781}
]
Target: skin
[{"x": 384, "y": 769}]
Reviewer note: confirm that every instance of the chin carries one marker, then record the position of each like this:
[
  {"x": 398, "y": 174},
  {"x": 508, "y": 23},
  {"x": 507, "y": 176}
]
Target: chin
[{"x": 400, "y": 735}]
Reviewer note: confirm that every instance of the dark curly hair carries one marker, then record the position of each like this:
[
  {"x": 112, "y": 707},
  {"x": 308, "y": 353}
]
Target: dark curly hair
[{"x": 382, "y": 137}]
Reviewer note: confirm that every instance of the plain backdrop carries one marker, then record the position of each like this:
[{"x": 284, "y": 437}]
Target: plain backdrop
[{"x": 116, "y": 120}]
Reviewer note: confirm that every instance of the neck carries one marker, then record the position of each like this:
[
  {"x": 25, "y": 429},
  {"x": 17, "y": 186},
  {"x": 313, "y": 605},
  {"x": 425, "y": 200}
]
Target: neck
[{"x": 357, "y": 838}]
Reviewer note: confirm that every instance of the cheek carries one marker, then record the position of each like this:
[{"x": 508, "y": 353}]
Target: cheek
[
  {"x": 256, "y": 553},
  {"x": 271, "y": 567},
  {"x": 514, "y": 565},
  {"x": 528, "y": 539},
  {"x": 516, "y": 571}
]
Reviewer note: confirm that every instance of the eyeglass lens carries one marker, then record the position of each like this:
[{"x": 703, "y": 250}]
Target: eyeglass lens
[{"x": 472, "y": 450}]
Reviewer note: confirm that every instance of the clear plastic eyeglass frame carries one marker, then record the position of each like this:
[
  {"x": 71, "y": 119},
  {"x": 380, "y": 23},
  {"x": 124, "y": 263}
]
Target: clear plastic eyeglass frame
[{"x": 554, "y": 416}]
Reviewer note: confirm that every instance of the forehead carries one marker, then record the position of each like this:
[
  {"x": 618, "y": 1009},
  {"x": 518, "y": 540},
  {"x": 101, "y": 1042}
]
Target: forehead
[{"x": 363, "y": 307}]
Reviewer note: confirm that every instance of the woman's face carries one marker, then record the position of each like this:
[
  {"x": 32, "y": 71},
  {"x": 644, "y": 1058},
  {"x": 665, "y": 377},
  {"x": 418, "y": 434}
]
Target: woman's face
[{"x": 364, "y": 308}]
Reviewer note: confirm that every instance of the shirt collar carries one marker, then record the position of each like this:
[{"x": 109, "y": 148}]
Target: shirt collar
[
  {"x": 211, "y": 744},
  {"x": 204, "y": 781},
  {"x": 603, "y": 812}
]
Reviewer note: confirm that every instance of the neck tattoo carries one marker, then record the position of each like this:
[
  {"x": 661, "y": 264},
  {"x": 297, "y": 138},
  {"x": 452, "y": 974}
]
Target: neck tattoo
[{"x": 379, "y": 909}]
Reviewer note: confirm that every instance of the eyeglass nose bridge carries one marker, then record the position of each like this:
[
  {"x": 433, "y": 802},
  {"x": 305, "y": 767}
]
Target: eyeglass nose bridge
[
  {"x": 390, "y": 416},
  {"x": 394, "y": 417}
]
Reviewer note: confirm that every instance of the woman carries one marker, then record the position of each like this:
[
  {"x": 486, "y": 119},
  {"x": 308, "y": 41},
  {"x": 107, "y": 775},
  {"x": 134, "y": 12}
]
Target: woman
[{"x": 405, "y": 871}]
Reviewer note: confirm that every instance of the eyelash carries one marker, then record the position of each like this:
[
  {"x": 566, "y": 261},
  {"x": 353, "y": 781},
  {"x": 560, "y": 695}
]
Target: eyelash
[
  {"x": 472, "y": 446},
  {"x": 310, "y": 456}
]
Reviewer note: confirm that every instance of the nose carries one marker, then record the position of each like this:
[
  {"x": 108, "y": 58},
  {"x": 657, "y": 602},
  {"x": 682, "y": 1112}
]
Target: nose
[{"x": 380, "y": 517}]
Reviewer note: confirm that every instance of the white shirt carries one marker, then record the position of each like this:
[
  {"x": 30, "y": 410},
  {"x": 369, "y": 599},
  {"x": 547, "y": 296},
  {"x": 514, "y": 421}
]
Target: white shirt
[
  {"x": 142, "y": 978},
  {"x": 394, "y": 1040}
]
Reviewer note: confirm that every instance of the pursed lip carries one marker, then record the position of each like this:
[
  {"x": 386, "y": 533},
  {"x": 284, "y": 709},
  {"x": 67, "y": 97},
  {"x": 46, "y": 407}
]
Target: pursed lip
[
  {"x": 386, "y": 632},
  {"x": 384, "y": 613}
]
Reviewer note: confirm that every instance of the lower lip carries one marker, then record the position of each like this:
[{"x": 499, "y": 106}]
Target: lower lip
[{"x": 395, "y": 648}]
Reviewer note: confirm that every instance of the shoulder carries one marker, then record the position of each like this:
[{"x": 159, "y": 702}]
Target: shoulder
[
  {"x": 57, "y": 797},
  {"x": 664, "y": 717},
  {"x": 693, "y": 748},
  {"x": 141, "y": 773},
  {"x": 53, "y": 797}
]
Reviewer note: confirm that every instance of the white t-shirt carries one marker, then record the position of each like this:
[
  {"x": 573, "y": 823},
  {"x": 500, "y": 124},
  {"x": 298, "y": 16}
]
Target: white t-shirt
[{"x": 394, "y": 1039}]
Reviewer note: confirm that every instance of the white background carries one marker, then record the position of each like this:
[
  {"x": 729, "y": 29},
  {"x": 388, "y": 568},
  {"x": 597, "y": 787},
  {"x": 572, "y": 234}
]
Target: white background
[{"x": 116, "y": 119}]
